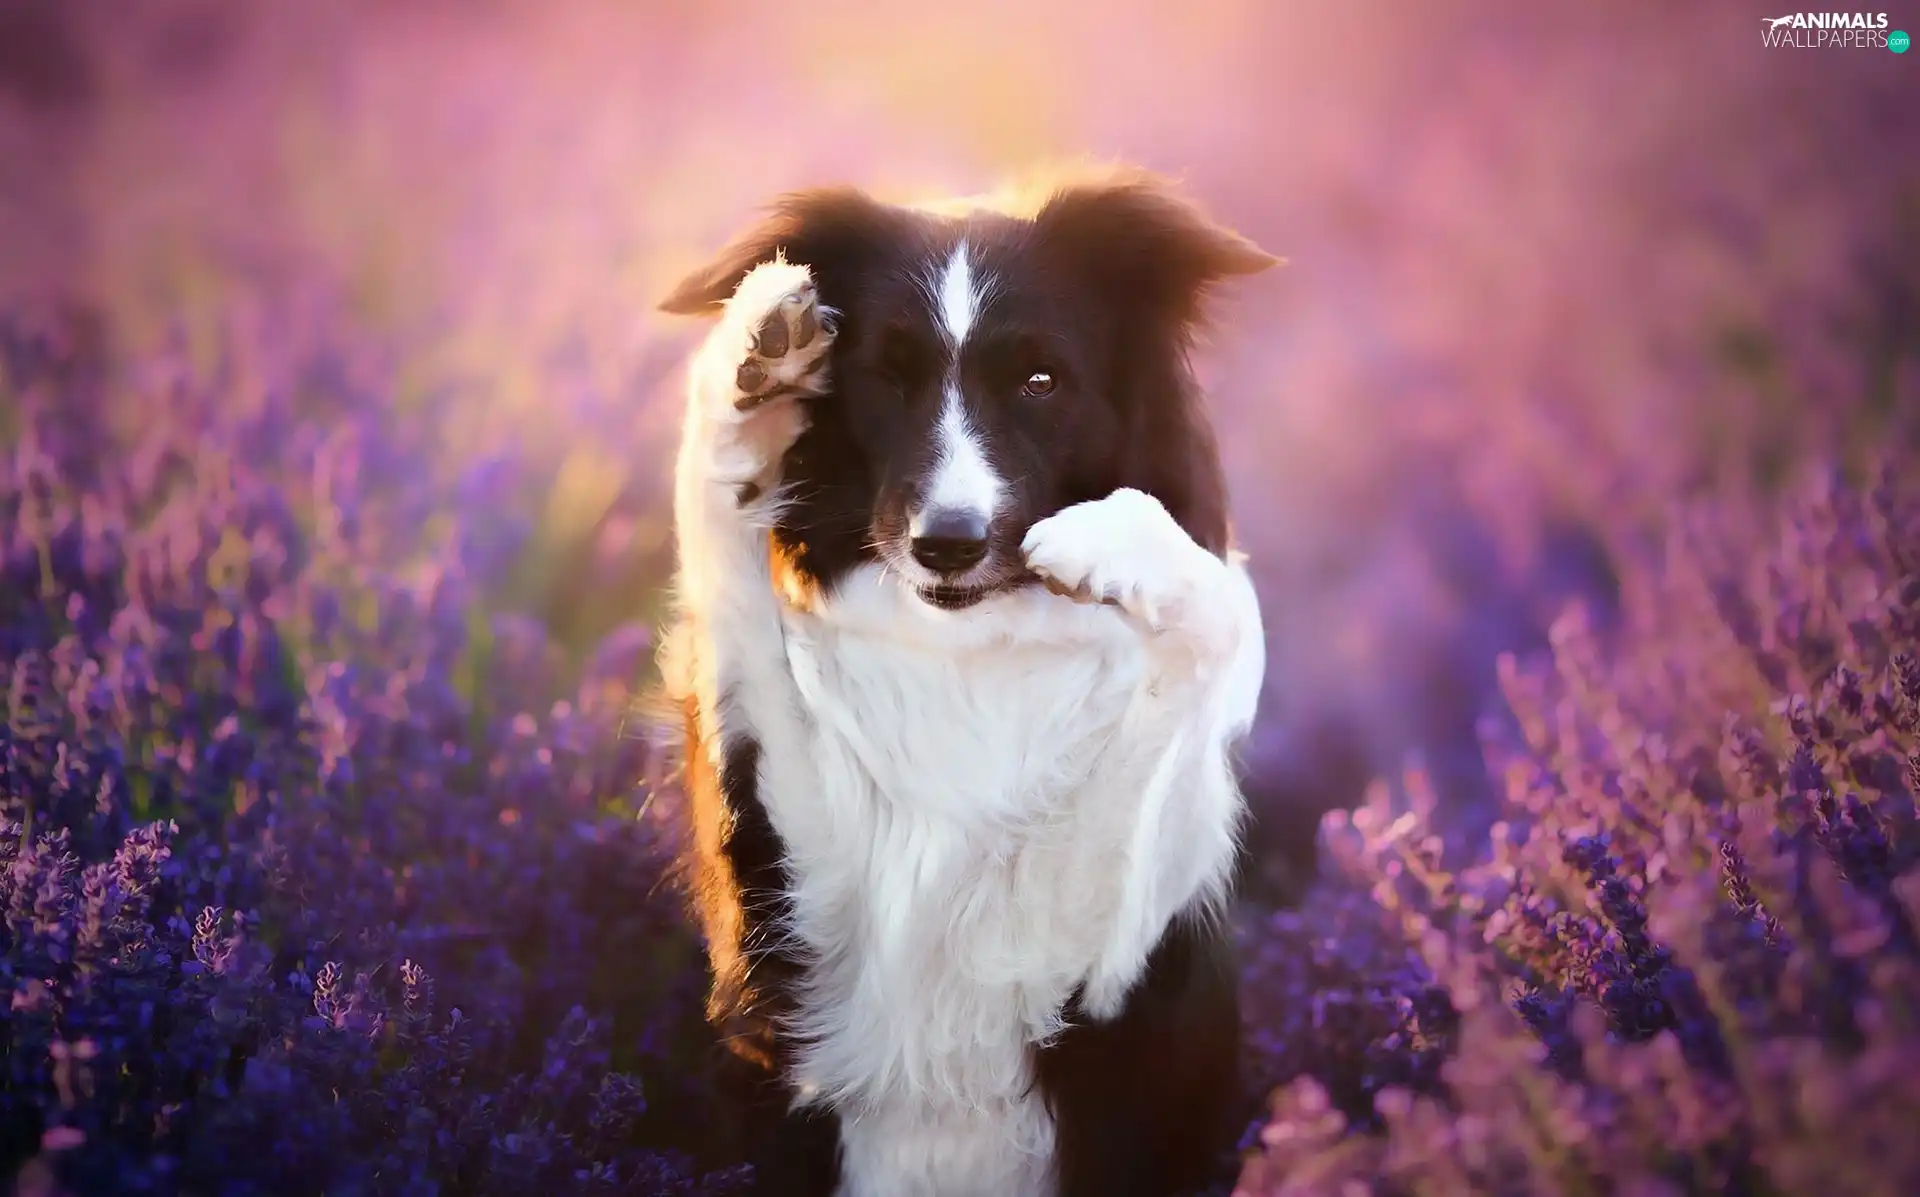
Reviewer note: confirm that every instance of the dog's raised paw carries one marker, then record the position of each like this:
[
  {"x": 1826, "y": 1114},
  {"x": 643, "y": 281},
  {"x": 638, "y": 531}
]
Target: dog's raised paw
[
  {"x": 784, "y": 333},
  {"x": 1124, "y": 550}
]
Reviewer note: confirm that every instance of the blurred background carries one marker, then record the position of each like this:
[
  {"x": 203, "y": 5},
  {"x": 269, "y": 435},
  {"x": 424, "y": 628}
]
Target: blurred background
[{"x": 1552, "y": 268}]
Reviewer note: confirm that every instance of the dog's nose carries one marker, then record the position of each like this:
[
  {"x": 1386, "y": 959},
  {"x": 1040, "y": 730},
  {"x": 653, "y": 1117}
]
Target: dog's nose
[{"x": 950, "y": 541}]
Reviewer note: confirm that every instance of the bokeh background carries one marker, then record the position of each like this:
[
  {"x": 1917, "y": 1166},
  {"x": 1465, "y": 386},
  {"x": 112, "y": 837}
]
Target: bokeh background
[
  {"x": 1545, "y": 263},
  {"x": 1550, "y": 266},
  {"x": 1554, "y": 270}
]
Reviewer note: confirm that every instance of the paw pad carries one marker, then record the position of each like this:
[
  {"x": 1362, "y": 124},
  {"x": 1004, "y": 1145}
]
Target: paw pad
[{"x": 794, "y": 325}]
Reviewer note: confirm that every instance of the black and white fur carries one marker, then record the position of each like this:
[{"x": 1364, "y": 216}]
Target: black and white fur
[{"x": 962, "y": 655}]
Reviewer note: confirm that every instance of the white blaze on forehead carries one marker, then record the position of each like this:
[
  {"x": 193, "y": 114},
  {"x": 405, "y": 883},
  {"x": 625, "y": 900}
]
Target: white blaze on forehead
[
  {"x": 959, "y": 298},
  {"x": 963, "y": 475}
]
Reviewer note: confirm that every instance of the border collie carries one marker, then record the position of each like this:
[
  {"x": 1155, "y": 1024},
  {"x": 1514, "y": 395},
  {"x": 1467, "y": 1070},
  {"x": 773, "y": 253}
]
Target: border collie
[{"x": 962, "y": 657}]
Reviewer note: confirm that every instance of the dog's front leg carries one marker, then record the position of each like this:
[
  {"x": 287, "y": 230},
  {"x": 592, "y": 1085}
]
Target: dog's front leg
[
  {"x": 726, "y": 663},
  {"x": 744, "y": 391},
  {"x": 1169, "y": 770}
]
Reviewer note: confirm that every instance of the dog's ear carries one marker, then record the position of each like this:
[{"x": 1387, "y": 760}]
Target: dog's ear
[
  {"x": 829, "y": 229},
  {"x": 1136, "y": 238}
]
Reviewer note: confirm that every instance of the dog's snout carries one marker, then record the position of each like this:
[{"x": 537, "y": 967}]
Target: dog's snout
[{"x": 950, "y": 540}]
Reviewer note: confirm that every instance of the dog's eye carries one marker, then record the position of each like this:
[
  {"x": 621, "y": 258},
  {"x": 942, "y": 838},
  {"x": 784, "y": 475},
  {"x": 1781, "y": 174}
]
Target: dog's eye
[
  {"x": 904, "y": 359},
  {"x": 1039, "y": 385}
]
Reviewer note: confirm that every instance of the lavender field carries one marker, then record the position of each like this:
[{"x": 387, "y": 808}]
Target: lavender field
[{"x": 1577, "y": 449}]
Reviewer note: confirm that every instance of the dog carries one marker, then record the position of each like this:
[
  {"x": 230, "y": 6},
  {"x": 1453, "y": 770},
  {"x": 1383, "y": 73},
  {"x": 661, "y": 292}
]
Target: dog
[{"x": 961, "y": 659}]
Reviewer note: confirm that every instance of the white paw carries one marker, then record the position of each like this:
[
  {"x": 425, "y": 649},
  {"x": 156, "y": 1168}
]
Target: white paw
[
  {"x": 768, "y": 351},
  {"x": 779, "y": 333},
  {"x": 1127, "y": 550}
]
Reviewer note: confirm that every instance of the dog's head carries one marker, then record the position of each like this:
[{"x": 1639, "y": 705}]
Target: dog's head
[{"x": 994, "y": 365}]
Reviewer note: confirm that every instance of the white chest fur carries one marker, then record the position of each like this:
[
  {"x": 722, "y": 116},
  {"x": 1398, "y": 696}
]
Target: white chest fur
[{"x": 955, "y": 877}]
